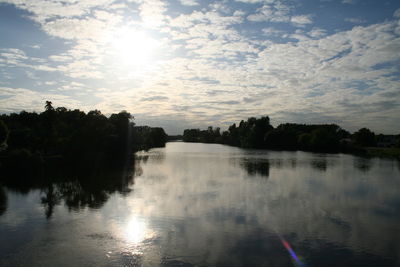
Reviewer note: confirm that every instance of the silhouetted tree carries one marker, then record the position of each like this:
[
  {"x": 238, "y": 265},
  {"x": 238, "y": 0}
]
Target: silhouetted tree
[
  {"x": 259, "y": 133},
  {"x": 364, "y": 137},
  {"x": 48, "y": 106},
  {"x": 3, "y": 135}
]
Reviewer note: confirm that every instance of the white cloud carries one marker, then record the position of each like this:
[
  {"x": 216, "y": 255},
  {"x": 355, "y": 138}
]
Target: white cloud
[
  {"x": 272, "y": 31},
  {"x": 301, "y": 20},
  {"x": 189, "y": 2},
  {"x": 88, "y": 28},
  {"x": 152, "y": 12},
  {"x": 317, "y": 32},
  {"x": 274, "y": 12},
  {"x": 43, "y": 10},
  {"x": 17, "y": 99},
  {"x": 211, "y": 68}
]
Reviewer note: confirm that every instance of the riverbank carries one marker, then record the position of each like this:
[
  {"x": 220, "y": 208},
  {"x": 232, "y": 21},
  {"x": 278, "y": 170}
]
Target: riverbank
[{"x": 383, "y": 152}]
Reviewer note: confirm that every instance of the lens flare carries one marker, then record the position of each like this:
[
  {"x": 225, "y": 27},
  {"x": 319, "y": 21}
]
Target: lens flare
[{"x": 291, "y": 252}]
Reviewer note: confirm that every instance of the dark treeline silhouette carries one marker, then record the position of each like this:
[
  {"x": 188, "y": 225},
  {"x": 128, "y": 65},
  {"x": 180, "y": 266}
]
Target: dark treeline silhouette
[
  {"x": 259, "y": 133},
  {"x": 146, "y": 137},
  {"x": 74, "y": 135},
  {"x": 71, "y": 155},
  {"x": 175, "y": 137}
]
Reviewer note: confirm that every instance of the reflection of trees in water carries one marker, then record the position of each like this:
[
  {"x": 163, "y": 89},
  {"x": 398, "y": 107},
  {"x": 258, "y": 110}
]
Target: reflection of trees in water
[
  {"x": 50, "y": 199},
  {"x": 76, "y": 187},
  {"x": 256, "y": 167},
  {"x": 320, "y": 164},
  {"x": 3, "y": 201},
  {"x": 362, "y": 164}
]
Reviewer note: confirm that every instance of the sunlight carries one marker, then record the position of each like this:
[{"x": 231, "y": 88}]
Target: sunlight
[
  {"x": 135, "y": 230},
  {"x": 133, "y": 48}
]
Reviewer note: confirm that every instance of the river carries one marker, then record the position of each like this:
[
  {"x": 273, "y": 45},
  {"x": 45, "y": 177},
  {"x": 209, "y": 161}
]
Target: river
[{"x": 212, "y": 205}]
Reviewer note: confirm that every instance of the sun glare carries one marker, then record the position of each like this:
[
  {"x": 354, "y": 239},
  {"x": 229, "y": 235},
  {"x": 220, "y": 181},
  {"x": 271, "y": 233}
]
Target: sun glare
[
  {"x": 135, "y": 230},
  {"x": 133, "y": 48}
]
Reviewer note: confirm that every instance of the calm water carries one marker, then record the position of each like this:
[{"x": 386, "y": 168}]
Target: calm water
[{"x": 212, "y": 205}]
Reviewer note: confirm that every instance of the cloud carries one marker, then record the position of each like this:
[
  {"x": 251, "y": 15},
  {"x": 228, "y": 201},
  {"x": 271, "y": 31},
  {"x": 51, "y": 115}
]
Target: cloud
[
  {"x": 43, "y": 10},
  {"x": 396, "y": 14},
  {"x": 317, "y": 32},
  {"x": 250, "y": 1},
  {"x": 272, "y": 11},
  {"x": 212, "y": 66},
  {"x": 189, "y": 2},
  {"x": 152, "y": 12},
  {"x": 301, "y": 20},
  {"x": 12, "y": 56},
  {"x": 17, "y": 99},
  {"x": 350, "y": 2},
  {"x": 270, "y": 31},
  {"x": 154, "y": 98},
  {"x": 67, "y": 28}
]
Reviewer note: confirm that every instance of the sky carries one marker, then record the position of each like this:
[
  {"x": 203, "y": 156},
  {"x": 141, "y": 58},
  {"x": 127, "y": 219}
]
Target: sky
[{"x": 191, "y": 64}]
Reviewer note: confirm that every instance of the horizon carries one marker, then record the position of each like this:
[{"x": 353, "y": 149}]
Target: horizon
[{"x": 192, "y": 64}]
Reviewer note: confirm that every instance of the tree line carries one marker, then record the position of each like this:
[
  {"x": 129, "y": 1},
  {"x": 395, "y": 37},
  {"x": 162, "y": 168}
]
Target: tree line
[
  {"x": 259, "y": 133},
  {"x": 79, "y": 139}
]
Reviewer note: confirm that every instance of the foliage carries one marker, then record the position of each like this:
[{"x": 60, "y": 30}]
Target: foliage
[
  {"x": 211, "y": 135},
  {"x": 78, "y": 138},
  {"x": 259, "y": 133},
  {"x": 146, "y": 137},
  {"x": 364, "y": 137},
  {"x": 3, "y": 133}
]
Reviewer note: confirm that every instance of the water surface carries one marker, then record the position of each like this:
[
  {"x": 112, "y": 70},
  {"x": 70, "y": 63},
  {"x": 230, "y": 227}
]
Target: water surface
[{"x": 212, "y": 205}]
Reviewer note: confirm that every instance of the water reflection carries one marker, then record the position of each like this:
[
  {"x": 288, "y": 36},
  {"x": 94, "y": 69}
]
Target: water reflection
[
  {"x": 320, "y": 164},
  {"x": 213, "y": 205},
  {"x": 237, "y": 221},
  {"x": 50, "y": 198},
  {"x": 77, "y": 188},
  {"x": 3, "y": 201},
  {"x": 256, "y": 167},
  {"x": 135, "y": 230},
  {"x": 363, "y": 164}
]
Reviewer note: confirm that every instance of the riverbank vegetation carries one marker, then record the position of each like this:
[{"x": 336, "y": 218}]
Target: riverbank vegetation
[
  {"x": 88, "y": 142},
  {"x": 260, "y": 134}
]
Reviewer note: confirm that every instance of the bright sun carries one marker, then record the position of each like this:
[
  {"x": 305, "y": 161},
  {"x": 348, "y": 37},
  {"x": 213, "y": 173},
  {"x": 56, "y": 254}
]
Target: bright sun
[
  {"x": 135, "y": 230},
  {"x": 133, "y": 48}
]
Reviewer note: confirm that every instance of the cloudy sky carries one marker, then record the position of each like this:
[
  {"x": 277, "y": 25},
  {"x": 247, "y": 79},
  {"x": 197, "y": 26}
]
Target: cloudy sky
[{"x": 192, "y": 63}]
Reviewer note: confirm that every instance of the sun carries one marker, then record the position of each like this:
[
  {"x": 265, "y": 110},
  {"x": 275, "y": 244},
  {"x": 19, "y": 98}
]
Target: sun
[{"x": 131, "y": 47}]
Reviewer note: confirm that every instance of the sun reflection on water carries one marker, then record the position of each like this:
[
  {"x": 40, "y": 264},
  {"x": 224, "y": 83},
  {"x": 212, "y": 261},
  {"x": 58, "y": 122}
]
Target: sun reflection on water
[{"x": 136, "y": 230}]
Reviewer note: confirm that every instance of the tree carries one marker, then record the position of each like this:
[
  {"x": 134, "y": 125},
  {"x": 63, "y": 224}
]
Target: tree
[
  {"x": 364, "y": 137},
  {"x": 48, "y": 106},
  {"x": 3, "y": 135}
]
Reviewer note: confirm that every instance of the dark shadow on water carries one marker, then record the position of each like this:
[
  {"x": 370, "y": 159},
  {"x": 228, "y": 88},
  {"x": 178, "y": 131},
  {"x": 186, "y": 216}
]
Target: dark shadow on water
[
  {"x": 166, "y": 262},
  {"x": 256, "y": 167},
  {"x": 50, "y": 199},
  {"x": 3, "y": 201},
  {"x": 261, "y": 248},
  {"x": 258, "y": 249},
  {"x": 76, "y": 186},
  {"x": 362, "y": 164},
  {"x": 320, "y": 164},
  {"x": 318, "y": 252}
]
